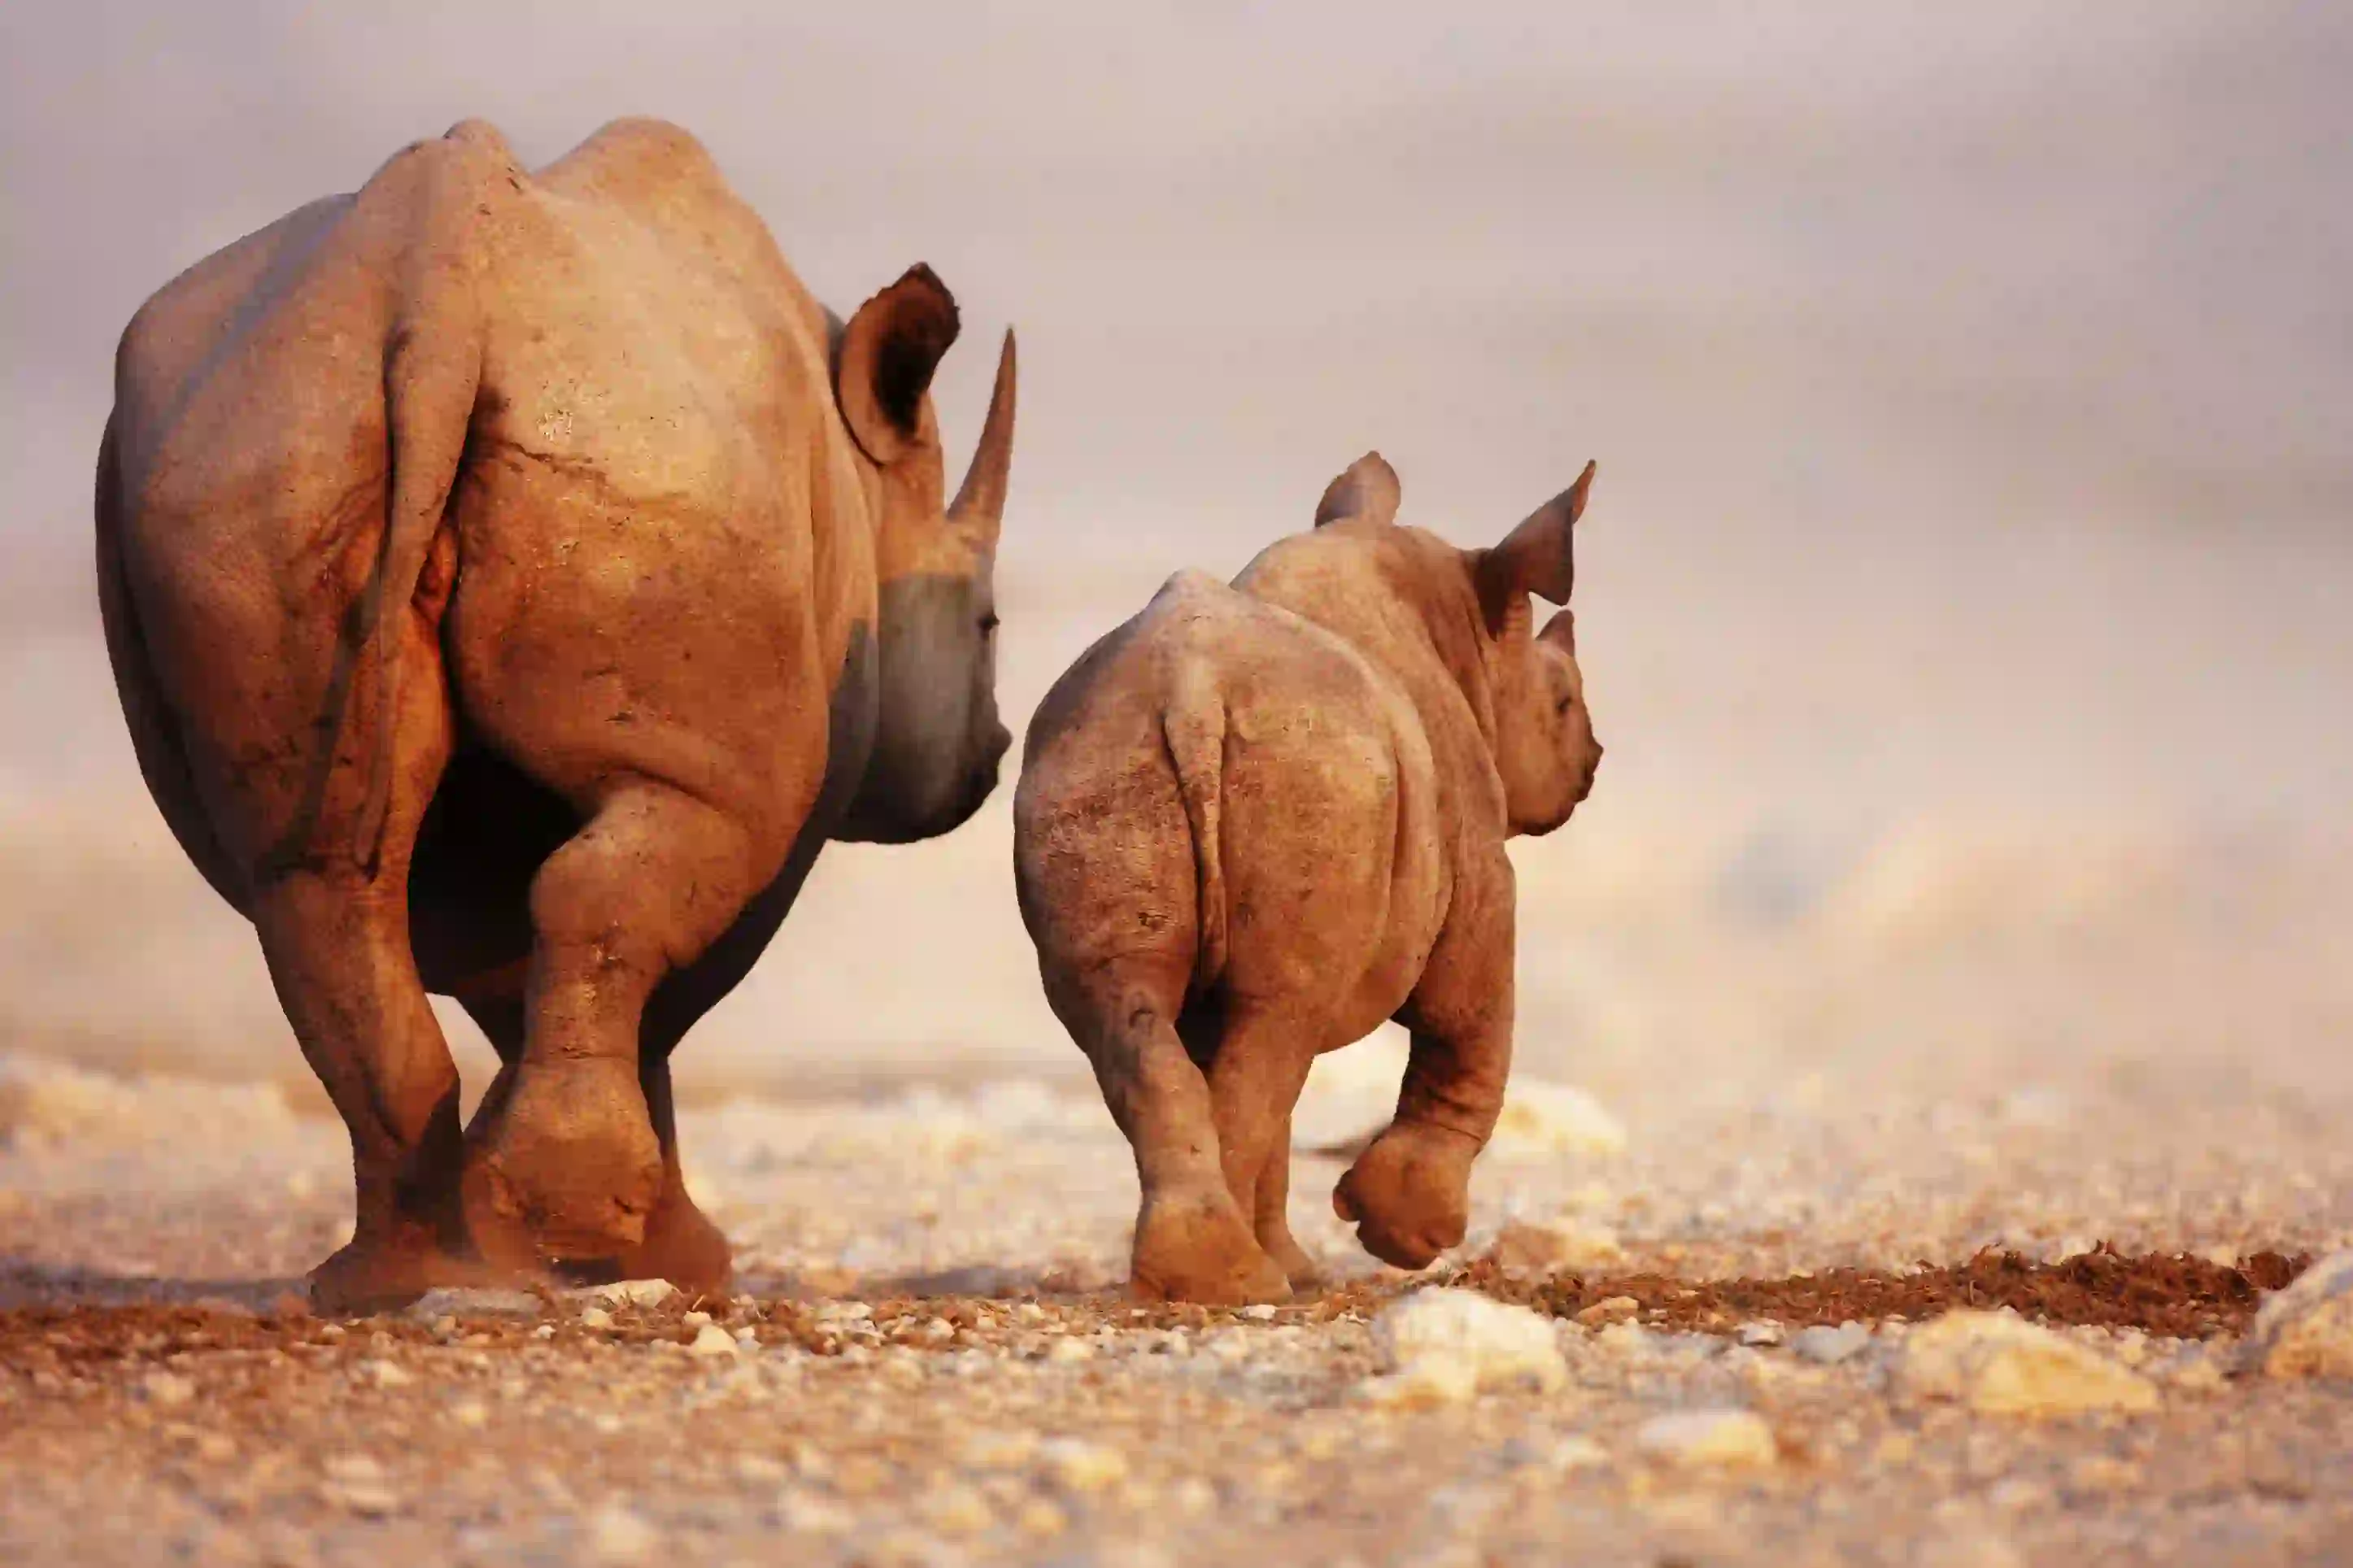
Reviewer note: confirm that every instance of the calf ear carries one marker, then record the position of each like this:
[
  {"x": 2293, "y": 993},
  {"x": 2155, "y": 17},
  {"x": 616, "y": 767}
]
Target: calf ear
[
  {"x": 1561, "y": 631},
  {"x": 884, "y": 362},
  {"x": 1367, "y": 491},
  {"x": 1537, "y": 557}
]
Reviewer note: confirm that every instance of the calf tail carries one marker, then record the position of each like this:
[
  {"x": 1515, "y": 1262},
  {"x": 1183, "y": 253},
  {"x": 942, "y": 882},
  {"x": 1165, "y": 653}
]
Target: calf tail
[{"x": 1195, "y": 730}]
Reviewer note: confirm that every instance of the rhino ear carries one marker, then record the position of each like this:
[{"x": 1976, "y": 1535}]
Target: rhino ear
[
  {"x": 1367, "y": 490},
  {"x": 1561, "y": 631},
  {"x": 883, "y": 365},
  {"x": 1537, "y": 557}
]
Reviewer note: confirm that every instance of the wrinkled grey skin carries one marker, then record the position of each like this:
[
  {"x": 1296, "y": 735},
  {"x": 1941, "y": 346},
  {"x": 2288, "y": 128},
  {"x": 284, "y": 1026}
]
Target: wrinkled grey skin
[{"x": 939, "y": 741}]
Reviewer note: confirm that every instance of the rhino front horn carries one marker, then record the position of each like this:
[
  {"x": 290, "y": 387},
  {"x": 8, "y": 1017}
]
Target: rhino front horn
[{"x": 980, "y": 502}]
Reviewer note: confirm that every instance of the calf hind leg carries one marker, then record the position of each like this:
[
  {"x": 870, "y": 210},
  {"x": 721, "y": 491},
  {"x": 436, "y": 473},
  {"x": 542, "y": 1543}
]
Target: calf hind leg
[
  {"x": 1255, "y": 1079},
  {"x": 1193, "y": 1241}
]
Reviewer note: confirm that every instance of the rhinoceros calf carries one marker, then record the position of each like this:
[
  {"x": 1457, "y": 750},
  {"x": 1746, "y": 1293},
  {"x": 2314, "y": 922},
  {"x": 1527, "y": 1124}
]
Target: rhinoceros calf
[
  {"x": 511, "y": 579},
  {"x": 1255, "y": 822}
]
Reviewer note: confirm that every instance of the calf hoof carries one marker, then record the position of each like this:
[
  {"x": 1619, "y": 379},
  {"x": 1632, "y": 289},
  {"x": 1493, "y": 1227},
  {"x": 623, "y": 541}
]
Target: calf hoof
[
  {"x": 568, "y": 1167},
  {"x": 1408, "y": 1194},
  {"x": 382, "y": 1274},
  {"x": 1198, "y": 1249}
]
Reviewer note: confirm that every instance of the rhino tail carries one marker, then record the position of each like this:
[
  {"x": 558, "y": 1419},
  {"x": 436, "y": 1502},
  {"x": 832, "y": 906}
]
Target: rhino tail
[
  {"x": 432, "y": 375},
  {"x": 1195, "y": 726}
]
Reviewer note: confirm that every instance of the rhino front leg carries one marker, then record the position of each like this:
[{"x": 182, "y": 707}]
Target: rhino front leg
[
  {"x": 567, "y": 1162},
  {"x": 1410, "y": 1193}
]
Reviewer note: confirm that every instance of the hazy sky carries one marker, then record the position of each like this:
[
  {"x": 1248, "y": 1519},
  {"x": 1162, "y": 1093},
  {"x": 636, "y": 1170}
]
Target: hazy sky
[{"x": 1905, "y": 336}]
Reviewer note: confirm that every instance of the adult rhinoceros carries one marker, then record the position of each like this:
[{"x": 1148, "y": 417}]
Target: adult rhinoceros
[{"x": 512, "y": 579}]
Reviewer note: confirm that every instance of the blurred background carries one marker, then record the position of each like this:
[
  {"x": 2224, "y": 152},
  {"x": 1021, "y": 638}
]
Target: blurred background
[{"x": 1967, "y": 597}]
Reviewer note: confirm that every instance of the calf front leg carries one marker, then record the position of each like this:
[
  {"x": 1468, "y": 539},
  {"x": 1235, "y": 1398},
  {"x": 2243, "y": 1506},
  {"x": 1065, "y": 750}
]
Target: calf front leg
[{"x": 1410, "y": 1193}]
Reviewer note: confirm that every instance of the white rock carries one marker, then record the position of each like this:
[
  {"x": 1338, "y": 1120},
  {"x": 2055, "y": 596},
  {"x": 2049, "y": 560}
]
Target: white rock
[
  {"x": 383, "y": 1374},
  {"x": 595, "y": 1318},
  {"x": 1070, "y": 1348},
  {"x": 710, "y": 1339},
  {"x": 1447, "y": 1345},
  {"x": 1998, "y": 1364},
  {"x": 2306, "y": 1329},
  {"x": 1754, "y": 1334},
  {"x": 1826, "y": 1346},
  {"x": 1547, "y": 1119},
  {"x": 617, "y": 1534},
  {"x": 631, "y": 1293},
  {"x": 1258, "y": 1313},
  {"x": 168, "y": 1389},
  {"x": 1082, "y": 1466},
  {"x": 1724, "y": 1437},
  {"x": 449, "y": 1303}
]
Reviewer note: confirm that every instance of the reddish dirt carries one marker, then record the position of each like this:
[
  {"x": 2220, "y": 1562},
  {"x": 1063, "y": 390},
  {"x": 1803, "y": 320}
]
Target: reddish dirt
[
  {"x": 2170, "y": 1296},
  {"x": 2176, "y": 1297}
]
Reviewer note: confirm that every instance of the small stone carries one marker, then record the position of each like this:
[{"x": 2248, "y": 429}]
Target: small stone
[
  {"x": 1827, "y": 1346},
  {"x": 167, "y": 1390},
  {"x": 1259, "y": 1312},
  {"x": 1998, "y": 1364},
  {"x": 639, "y": 1293},
  {"x": 695, "y": 1320},
  {"x": 1698, "y": 1439},
  {"x": 595, "y": 1318},
  {"x": 1080, "y": 1466},
  {"x": 1070, "y": 1349},
  {"x": 710, "y": 1339},
  {"x": 453, "y": 1303},
  {"x": 1041, "y": 1518},
  {"x": 999, "y": 1450},
  {"x": 958, "y": 1509},
  {"x": 1754, "y": 1334},
  {"x": 2306, "y": 1329},
  {"x": 1452, "y": 1343},
  {"x": 840, "y": 1313},
  {"x": 1609, "y": 1310},
  {"x": 1969, "y": 1551},
  {"x": 812, "y": 1513},
  {"x": 381, "y": 1373},
  {"x": 617, "y": 1534}
]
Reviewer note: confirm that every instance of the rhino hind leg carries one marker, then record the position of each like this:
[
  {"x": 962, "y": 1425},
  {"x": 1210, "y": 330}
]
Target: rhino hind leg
[
  {"x": 564, "y": 1161},
  {"x": 680, "y": 1243},
  {"x": 334, "y": 928}
]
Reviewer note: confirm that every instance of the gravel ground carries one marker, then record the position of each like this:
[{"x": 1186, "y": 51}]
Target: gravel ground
[{"x": 929, "y": 1361}]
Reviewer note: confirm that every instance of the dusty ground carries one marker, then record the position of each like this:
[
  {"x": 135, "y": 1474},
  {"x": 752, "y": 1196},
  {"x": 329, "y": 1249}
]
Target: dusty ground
[{"x": 928, "y": 1364}]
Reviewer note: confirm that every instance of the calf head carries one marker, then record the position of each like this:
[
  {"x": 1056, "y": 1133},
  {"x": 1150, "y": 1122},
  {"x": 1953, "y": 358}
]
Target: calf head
[
  {"x": 938, "y": 741},
  {"x": 1545, "y": 747}
]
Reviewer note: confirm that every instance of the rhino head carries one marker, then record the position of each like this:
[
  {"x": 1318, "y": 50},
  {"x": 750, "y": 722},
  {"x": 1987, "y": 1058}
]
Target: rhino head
[
  {"x": 938, "y": 742},
  {"x": 1545, "y": 750}
]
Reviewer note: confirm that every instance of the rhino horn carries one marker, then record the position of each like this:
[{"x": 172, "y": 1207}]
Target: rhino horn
[
  {"x": 1368, "y": 489},
  {"x": 980, "y": 501}
]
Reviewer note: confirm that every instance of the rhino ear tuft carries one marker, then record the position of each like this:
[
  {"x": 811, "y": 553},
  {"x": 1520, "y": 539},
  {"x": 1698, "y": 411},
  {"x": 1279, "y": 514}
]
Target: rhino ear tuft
[
  {"x": 883, "y": 365},
  {"x": 1537, "y": 557},
  {"x": 1367, "y": 491}
]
